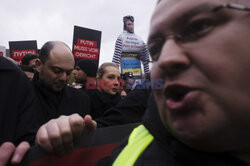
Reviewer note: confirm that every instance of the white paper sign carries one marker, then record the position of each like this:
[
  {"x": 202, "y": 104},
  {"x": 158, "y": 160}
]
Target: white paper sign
[{"x": 2, "y": 51}]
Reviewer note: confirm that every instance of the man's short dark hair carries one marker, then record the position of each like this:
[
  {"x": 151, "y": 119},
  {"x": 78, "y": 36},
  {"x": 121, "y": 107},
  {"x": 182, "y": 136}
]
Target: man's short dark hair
[
  {"x": 27, "y": 68},
  {"x": 128, "y": 17},
  {"x": 45, "y": 51},
  {"x": 88, "y": 66},
  {"x": 28, "y": 57},
  {"x": 127, "y": 75}
]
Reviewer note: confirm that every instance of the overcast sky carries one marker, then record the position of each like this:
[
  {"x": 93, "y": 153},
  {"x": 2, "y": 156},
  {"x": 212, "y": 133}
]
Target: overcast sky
[{"x": 45, "y": 20}]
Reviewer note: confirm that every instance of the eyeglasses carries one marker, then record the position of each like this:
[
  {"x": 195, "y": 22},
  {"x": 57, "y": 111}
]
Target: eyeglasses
[
  {"x": 232, "y": 6},
  {"x": 191, "y": 33}
]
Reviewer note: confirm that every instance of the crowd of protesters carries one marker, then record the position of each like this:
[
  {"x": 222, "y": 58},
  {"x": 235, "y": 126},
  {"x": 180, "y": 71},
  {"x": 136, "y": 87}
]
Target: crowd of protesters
[
  {"x": 47, "y": 95},
  {"x": 199, "y": 116}
]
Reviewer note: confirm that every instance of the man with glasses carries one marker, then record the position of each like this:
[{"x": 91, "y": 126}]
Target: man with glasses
[{"x": 201, "y": 50}]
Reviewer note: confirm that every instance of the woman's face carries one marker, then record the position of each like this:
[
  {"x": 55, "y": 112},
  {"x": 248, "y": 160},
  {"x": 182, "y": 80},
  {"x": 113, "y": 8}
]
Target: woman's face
[{"x": 110, "y": 80}]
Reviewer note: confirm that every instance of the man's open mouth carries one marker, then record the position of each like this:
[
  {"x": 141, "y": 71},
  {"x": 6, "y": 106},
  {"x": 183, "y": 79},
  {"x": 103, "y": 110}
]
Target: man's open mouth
[{"x": 177, "y": 92}]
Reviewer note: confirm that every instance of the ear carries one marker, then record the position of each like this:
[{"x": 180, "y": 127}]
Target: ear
[{"x": 38, "y": 65}]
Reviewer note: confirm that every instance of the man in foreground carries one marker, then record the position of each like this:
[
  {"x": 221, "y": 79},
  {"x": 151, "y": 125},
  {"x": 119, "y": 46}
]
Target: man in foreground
[{"x": 200, "y": 49}]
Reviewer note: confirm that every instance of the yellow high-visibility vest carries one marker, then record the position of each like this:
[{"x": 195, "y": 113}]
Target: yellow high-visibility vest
[{"x": 138, "y": 141}]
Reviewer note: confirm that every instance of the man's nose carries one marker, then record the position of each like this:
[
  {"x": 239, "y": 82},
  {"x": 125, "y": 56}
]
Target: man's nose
[
  {"x": 173, "y": 59},
  {"x": 63, "y": 76}
]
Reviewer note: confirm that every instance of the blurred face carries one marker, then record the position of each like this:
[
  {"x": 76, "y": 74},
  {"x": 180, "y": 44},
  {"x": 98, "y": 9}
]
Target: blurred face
[
  {"x": 30, "y": 75},
  {"x": 110, "y": 80},
  {"x": 129, "y": 26},
  {"x": 32, "y": 63},
  {"x": 80, "y": 75},
  {"x": 203, "y": 57},
  {"x": 123, "y": 94},
  {"x": 131, "y": 82},
  {"x": 56, "y": 71}
]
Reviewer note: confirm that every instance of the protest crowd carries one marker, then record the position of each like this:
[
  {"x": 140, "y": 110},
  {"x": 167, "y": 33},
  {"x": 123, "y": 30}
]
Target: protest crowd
[{"x": 190, "y": 108}]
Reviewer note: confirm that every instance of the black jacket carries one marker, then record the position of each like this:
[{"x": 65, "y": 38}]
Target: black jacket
[
  {"x": 166, "y": 150},
  {"x": 89, "y": 92},
  {"x": 52, "y": 105},
  {"x": 101, "y": 102},
  {"x": 17, "y": 105},
  {"x": 129, "y": 110}
]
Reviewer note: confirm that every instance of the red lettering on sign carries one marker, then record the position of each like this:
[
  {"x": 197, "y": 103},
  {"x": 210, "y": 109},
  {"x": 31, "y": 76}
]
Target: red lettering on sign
[{"x": 93, "y": 83}]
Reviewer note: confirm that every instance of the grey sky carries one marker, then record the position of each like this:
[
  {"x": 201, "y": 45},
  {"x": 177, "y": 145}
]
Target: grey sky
[{"x": 45, "y": 20}]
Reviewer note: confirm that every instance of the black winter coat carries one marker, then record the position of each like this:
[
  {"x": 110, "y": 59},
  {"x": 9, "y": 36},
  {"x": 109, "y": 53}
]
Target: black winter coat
[
  {"x": 52, "y": 105},
  {"x": 101, "y": 102},
  {"x": 129, "y": 110},
  {"x": 165, "y": 150},
  {"x": 17, "y": 105}
]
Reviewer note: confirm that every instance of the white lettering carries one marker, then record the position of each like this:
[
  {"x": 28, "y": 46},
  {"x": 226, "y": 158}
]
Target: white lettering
[{"x": 84, "y": 55}]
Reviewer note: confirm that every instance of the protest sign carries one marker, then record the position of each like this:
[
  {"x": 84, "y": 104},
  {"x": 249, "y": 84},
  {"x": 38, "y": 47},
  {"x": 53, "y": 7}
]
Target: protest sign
[{"x": 20, "y": 48}]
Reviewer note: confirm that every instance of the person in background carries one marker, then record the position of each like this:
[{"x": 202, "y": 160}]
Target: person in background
[
  {"x": 106, "y": 94},
  {"x": 54, "y": 97},
  {"x": 130, "y": 46},
  {"x": 85, "y": 68},
  {"x": 129, "y": 81},
  {"x": 30, "y": 59},
  {"x": 28, "y": 70}
]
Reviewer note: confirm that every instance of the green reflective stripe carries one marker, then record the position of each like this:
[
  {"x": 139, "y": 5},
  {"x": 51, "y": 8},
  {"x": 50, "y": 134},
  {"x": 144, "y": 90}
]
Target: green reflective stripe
[{"x": 138, "y": 141}]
